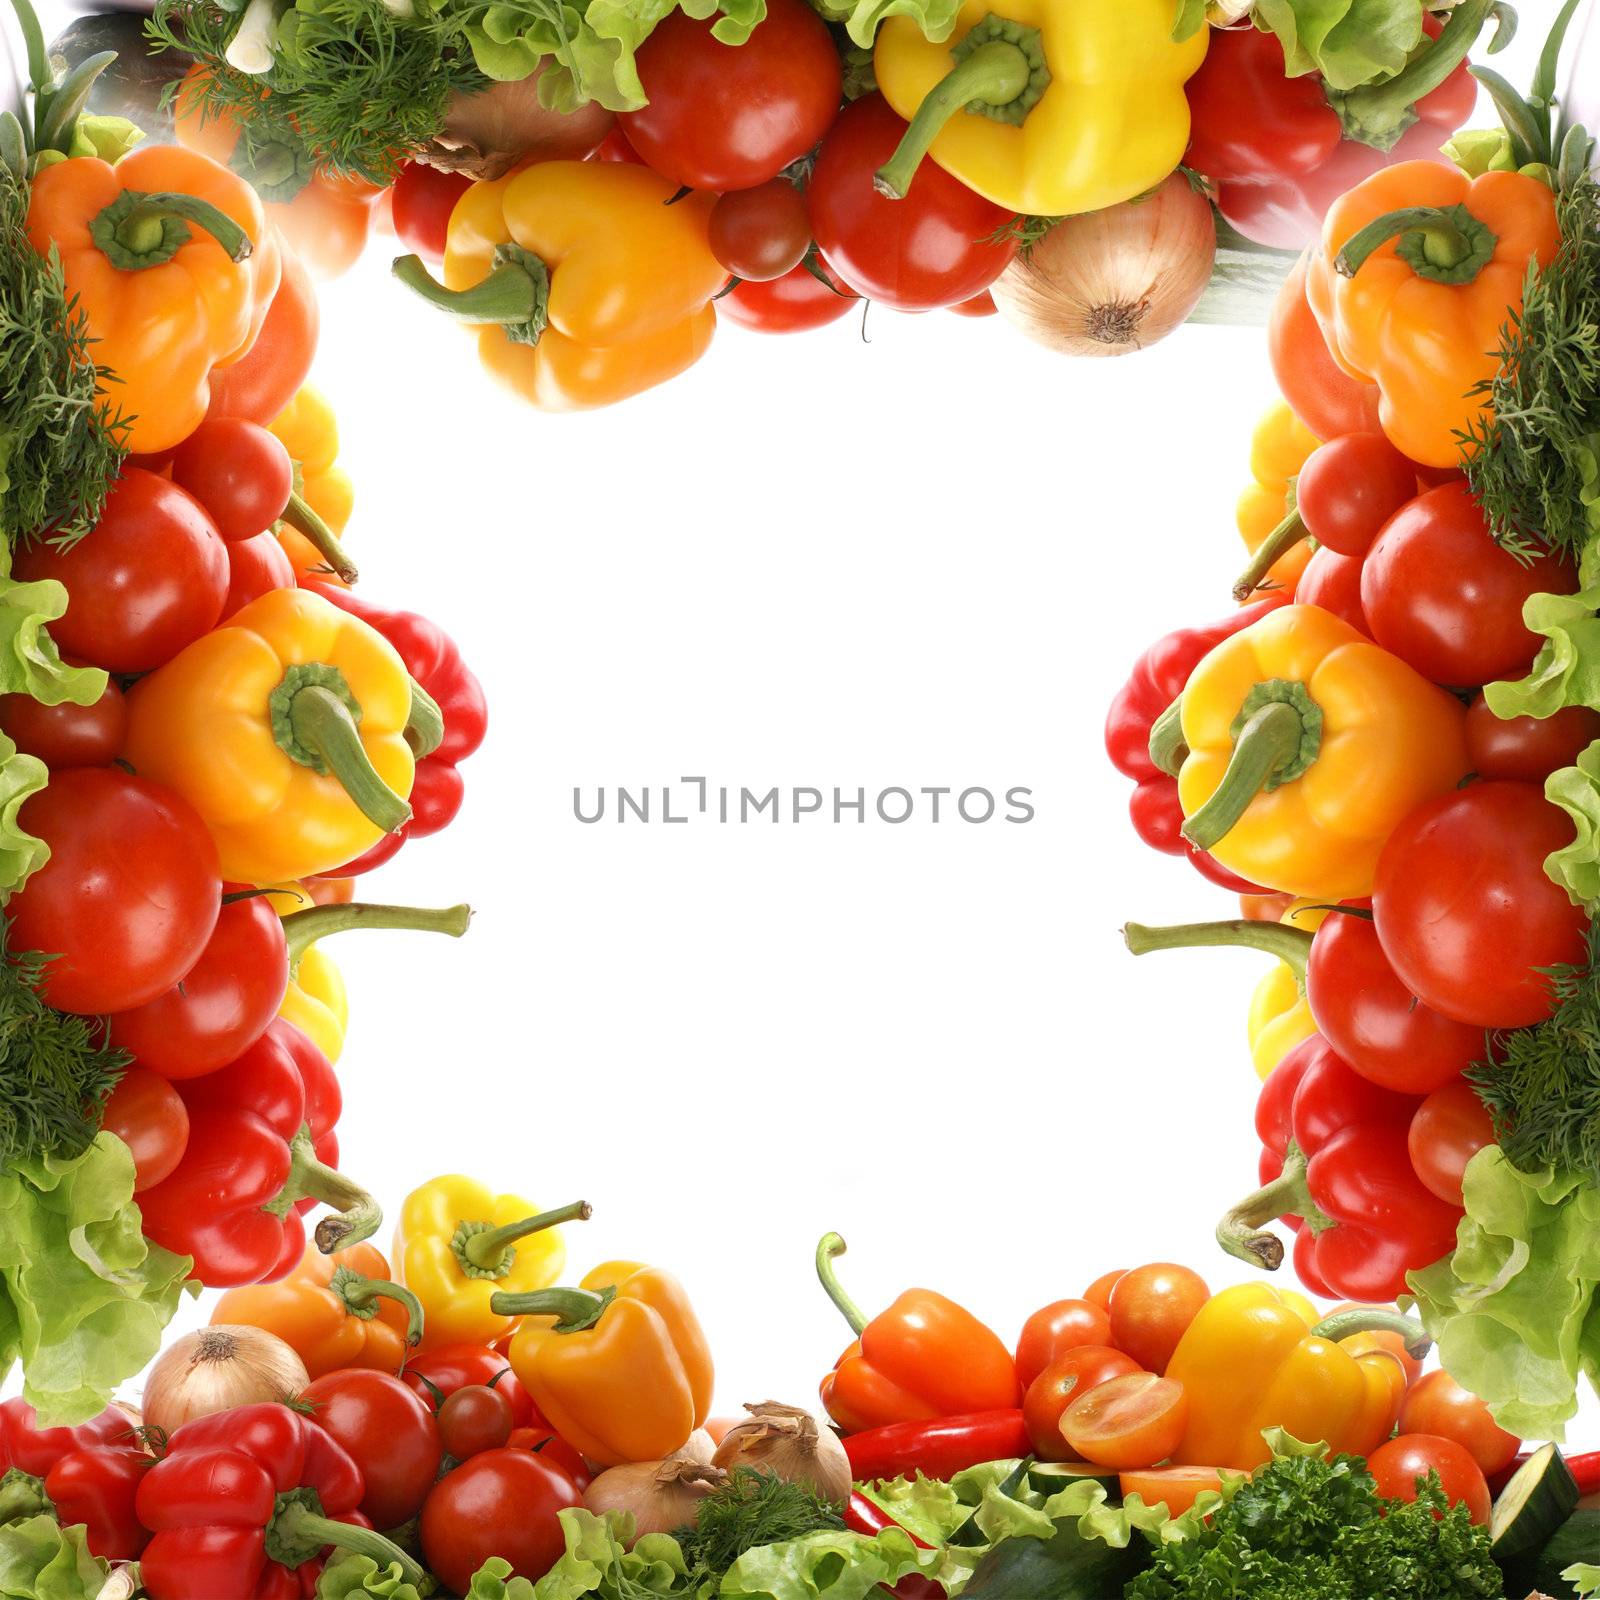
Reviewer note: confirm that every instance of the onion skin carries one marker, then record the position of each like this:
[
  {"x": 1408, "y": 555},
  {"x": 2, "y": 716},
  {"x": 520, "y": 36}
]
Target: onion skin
[
  {"x": 660, "y": 1496},
  {"x": 1110, "y": 282},
  {"x": 216, "y": 1369},
  {"x": 492, "y": 130},
  {"x": 790, "y": 1442}
]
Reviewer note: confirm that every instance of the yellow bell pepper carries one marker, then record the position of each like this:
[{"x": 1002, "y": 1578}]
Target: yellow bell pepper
[
  {"x": 457, "y": 1243},
  {"x": 589, "y": 282},
  {"x": 1307, "y": 745},
  {"x": 317, "y": 1003},
  {"x": 1052, "y": 107},
  {"x": 291, "y": 730},
  {"x": 619, "y": 1368},
  {"x": 309, "y": 431},
  {"x": 1257, "y": 1357},
  {"x": 1275, "y": 538}
]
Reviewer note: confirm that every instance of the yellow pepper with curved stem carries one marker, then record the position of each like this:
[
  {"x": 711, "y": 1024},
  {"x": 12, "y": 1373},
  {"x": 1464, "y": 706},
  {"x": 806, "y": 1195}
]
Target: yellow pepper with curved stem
[
  {"x": 1044, "y": 107},
  {"x": 309, "y": 431},
  {"x": 1279, "y": 448},
  {"x": 588, "y": 281},
  {"x": 317, "y": 1002},
  {"x": 1307, "y": 745},
  {"x": 1258, "y": 1357},
  {"x": 457, "y": 1243}
]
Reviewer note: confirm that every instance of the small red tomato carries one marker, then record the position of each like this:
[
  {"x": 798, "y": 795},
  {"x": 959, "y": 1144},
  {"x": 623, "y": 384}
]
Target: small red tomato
[
  {"x": 1058, "y": 1386},
  {"x": 1333, "y": 582},
  {"x": 1527, "y": 749},
  {"x": 559, "y": 1453},
  {"x": 238, "y": 471},
  {"x": 504, "y": 1503},
  {"x": 1398, "y": 1465},
  {"x": 423, "y": 199},
  {"x": 390, "y": 1434},
  {"x": 1349, "y": 487},
  {"x": 1151, "y": 1309},
  {"x": 980, "y": 305},
  {"x": 1099, "y": 1292},
  {"x": 255, "y": 567},
  {"x": 759, "y": 234},
  {"x": 148, "y": 1115},
  {"x": 798, "y": 301},
  {"x": 1054, "y": 1330},
  {"x": 437, "y": 1374},
  {"x": 1447, "y": 1130},
  {"x": 1436, "y": 1404},
  {"x": 474, "y": 1419},
  {"x": 67, "y": 735}
]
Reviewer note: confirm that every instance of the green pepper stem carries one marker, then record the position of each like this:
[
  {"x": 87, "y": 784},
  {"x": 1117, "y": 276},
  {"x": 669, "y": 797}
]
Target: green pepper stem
[
  {"x": 994, "y": 74},
  {"x": 487, "y": 1250},
  {"x": 360, "y": 1295},
  {"x": 322, "y": 723},
  {"x": 313, "y": 1179},
  {"x": 298, "y": 1525},
  {"x": 303, "y": 928},
  {"x": 829, "y": 1248},
  {"x": 1375, "y": 1319},
  {"x": 424, "y": 730},
  {"x": 509, "y": 297},
  {"x": 1167, "y": 749},
  {"x": 575, "y": 1310},
  {"x": 22, "y": 1495},
  {"x": 138, "y": 230},
  {"x": 1242, "y": 1231},
  {"x": 1291, "y": 946},
  {"x": 1282, "y": 539},
  {"x": 1268, "y": 742},
  {"x": 304, "y": 519},
  {"x": 1444, "y": 244}
]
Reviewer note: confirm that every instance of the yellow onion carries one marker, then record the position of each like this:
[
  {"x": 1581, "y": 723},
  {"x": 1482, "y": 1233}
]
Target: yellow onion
[
  {"x": 660, "y": 1496},
  {"x": 788, "y": 1441},
  {"x": 487, "y": 132},
  {"x": 216, "y": 1369}
]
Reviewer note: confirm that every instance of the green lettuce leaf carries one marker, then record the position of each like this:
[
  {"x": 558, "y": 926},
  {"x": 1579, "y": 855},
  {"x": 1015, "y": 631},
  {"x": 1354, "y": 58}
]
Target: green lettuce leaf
[
  {"x": 861, "y": 18},
  {"x": 21, "y": 853},
  {"x": 1566, "y": 671},
  {"x": 350, "y": 1575},
  {"x": 840, "y": 1566},
  {"x": 1513, "y": 1310},
  {"x": 1350, "y": 42},
  {"x": 41, "y": 1560},
  {"x": 1583, "y": 1577},
  {"x": 84, "y": 1295},
  {"x": 1576, "y": 789},
  {"x": 597, "y": 1562},
  {"x": 29, "y": 661}
]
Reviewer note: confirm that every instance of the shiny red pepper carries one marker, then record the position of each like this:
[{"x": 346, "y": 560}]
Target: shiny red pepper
[
  {"x": 862, "y": 1515},
  {"x": 26, "y": 1447},
  {"x": 1157, "y": 679},
  {"x": 98, "y": 1488},
  {"x": 937, "y": 1449}
]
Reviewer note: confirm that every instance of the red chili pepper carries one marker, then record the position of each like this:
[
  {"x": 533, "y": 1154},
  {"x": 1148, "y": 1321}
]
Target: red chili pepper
[
  {"x": 261, "y": 1151},
  {"x": 937, "y": 1449},
  {"x": 431, "y": 657},
  {"x": 1157, "y": 679},
  {"x": 1337, "y": 1167},
  {"x": 26, "y": 1447},
  {"x": 1585, "y": 1469},
  {"x": 862, "y": 1515},
  {"x": 98, "y": 1488}
]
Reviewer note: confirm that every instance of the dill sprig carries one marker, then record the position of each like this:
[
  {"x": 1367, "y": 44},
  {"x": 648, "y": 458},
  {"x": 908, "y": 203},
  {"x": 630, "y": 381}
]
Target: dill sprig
[
  {"x": 55, "y": 1069},
  {"x": 1528, "y": 457},
  {"x": 61, "y": 439},
  {"x": 1541, "y": 1085},
  {"x": 754, "y": 1508}
]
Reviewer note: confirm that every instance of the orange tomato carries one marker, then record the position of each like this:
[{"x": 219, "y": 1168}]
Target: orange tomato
[
  {"x": 1359, "y": 1344},
  {"x": 1055, "y": 1329},
  {"x": 1062, "y": 1382},
  {"x": 1099, "y": 1292},
  {"x": 1128, "y": 1422},
  {"x": 1151, "y": 1309},
  {"x": 1177, "y": 1488},
  {"x": 1438, "y": 1405}
]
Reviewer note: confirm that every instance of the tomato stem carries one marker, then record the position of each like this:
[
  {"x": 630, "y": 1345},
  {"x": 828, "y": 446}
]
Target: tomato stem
[
  {"x": 1280, "y": 541},
  {"x": 139, "y": 230},
  {"x": 829, "y": 1248},
  {"x": 485, "y": 1251},
  {"x": 1242, "y": 1231},
  {"x": 303, "y": 928},
  {"x": 575, "y": 1310},
  {"x": 1374, "y": 1319},
  {"x": 1290, "y": 945},
  {"x": 303, "y": 517},
  {"x": 1444, "y": 244},
  {"x": 360, "y": 1295}
]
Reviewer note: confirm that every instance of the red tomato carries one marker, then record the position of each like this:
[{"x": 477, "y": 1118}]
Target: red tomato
[
  {"x": 1054, "y": 1330},
  {"x": 148, "y": 1115},
  {"x": 1527, "y": 749},
  {"x": 503, "y": 1503},
  {"x": 474, "y": 1419},
  {"x": 980, "y": 305},
  {"x": 1442, "y": 595},
  {"x": 1396, "y": 1466},
  {"x": 1465, "y": 911},
  {"x": 558, "y": 1452},
  {"x": 67, "y": 735},
  {"x": 390, "y": 1435},
  {"x": 1449, "y": 1128},
  {"x": 1177, "y": 1488},
  {"x": 1333, "y": 582},
  {"x": 1127, "y": 1422},
  {"x": 146, "y": 580},
  {"x": 1099, "y": 1292},
  {"x": 731, "y": 116},
  {"x": 759, "y": 234},
  {"x": 1349, "y": 487},
  {"x": 1438, "y": 1405},
  {"x": 238, "y": 471},
  {"x": 615, "y": 147},
  {"x": 255, "y": 567},
  {"x": 424, "y": 197},
  {"x": 797, "y": 301},
  {"x": 1062, "y": 1382},
  {"x": 437, "y": 1374},
  {"x": 939, "y": 246},
  {"x": 1151, "y": 1309},
  {"x": 130, "y": 894}
]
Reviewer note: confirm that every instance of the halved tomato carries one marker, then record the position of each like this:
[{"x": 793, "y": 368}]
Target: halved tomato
[
  {"x": 1177, "y": 1488},
  {"x": 1132, "y": 1421}
]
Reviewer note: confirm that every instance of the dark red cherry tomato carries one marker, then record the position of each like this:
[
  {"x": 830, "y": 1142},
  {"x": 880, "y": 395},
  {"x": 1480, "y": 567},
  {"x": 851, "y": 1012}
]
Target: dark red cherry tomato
[
  {"x": 67, "y": 735},
  {"x": 794, "y": 303},
  {"x": 1333, "y": 582},
  {"x": 148, "y": 1115},
  {"x": 474, "y": 1419},
  {"x": 423, "y": 198},
  {"x": 1527, "y": 749},
  {"x": 1349, "y": 487},
  {"x": 437, "y": 1374},
  {"x": 760, "y": 234},
  {"x": 1448, "y": 1129},
  {"x": 255, "y": 567},
  {"x": 238, "y": 471}
]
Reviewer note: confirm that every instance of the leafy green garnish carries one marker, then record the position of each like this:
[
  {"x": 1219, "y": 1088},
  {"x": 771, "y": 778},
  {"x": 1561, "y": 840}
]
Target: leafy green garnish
[
  {"x": 753, "y": 1508},
  {"x": 1350, "y": 42},
  {"x": 1583, "y": 1576},
  {"x": 599, "y": 1562},
  {"x": 21, "y": 853},
  {"x": 349, "y": 1576},
  {"x": 30, "y": 664},
  {"x": 41, "y": 1560},
  {"x": 861, "y": 19}
]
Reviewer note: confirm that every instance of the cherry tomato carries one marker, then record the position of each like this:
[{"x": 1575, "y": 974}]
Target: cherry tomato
[
  {"x": 759, "y": 234},
  {"x": 437, "y": 1374},
  {"x": 1396, "y": 1466},
  {"x": 390, "y": 1434},
  {"x": 559, "y": 1453},
  {"x": 255, "y": 567},
  {"x": 1450, "y": 1127},
  {"x": 1442, "y": 595},
  {"x": 794, "y": 303},
  {"x": 731, "y": 116},
  {"x": 424, "y": 197},
  {"x": 67, "y": 735},
  {"x": 1177, "y": 1488},
  {"x": 615, "y": 147},
  {"x": 504, "y": 1503},
  {"x": 1099, "y": 1292},
  {"x": 1528, "y": 749},
  {"x": 1056, "y": 1329},
  {"x": 264, "y": 380},
  {"x": 1349, "y": 487},
  {"x": 1438, "y": 1405},
  {"x": 130, "y": 894},
  {"x": 1465, "y": 911},
  {"x": 238, "y": 471},
  {"x": 148, "y": 1115},
  {"x": 1333, "y": 582},
  {"x": 474, "y": 1419},
  {"x": 980, "y": 305},
  {"x": 1151, "y": 1309},
  {"x": 1062, "y": 1382},
  {"x": 1128, "y": 1422},
  {"x": 939, "y": 246},
  {"x": 146, "y": 580}
]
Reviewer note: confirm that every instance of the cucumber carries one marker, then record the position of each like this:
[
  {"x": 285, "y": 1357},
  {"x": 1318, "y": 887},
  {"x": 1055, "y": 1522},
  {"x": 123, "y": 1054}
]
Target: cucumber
[
  {"x": 1533, "y": 1506},
  {"x": 1051, "y": 1477},
  {"x": 1578, "y": 1539}
]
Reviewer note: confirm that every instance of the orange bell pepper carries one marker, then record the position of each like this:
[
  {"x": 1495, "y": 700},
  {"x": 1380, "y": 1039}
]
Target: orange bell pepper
[
  {"x": 171, "y": 260},
  {"x": 1272, "y": 533},
  {"x": 925, "y": 1357},
  {"x": 1419, "y": 269},
  {"x": 309, "y": 431},
  {"x": 334, "y": 1311},
  {"x": 618, "y": 1367}
]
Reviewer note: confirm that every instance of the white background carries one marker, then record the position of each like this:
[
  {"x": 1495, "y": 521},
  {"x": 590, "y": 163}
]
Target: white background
[{"x": 926, "y": 558}]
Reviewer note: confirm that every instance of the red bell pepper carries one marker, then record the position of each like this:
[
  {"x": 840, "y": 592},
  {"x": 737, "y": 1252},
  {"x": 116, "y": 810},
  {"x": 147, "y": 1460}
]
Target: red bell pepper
[
  {"x": 246, "y": 1503},
  {"x": 937, "y": 1449},
  {"x": 1157, "y": 680},
  {"x": 432, "y": 659},
  {"x": 261, "y": 1151},
  {"x": 1336, "y": 1166},
  {"x": 26, "y": 1447},
  {"x": 1281, "y": 150},
  {"x": 98, "y": 1487}
]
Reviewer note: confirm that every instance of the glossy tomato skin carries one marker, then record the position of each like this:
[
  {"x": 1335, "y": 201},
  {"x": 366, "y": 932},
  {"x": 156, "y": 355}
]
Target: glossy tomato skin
[
  {"x": 1464, "y": 909},
  {"x": 390, "y": 1435},
  {"x": 130, "y": 894},
  {"x": 759, "y": 234},
  {"x": 1447, "y": 1130},
  {"x": 67, "y": 735},
  {"x": 1129, "y": 1422},
  {"x": 1055, "y": 1329},
  {"x": 454, "y": 1366},
  {"x": 1099, "y": 1292},
  {"x": 1397, "y": 1465},
  {"x": 1151, "y": 1309},
  {"x": 940, "y": 246},
  {"x": 238, "y": 471},
  {"x": 148, "y": 1115},
  {"x": 1333, "y": 582},
  {"x": 732, "y": 116},
  {"x": 1350, "y": 487},
  {"x": 503, "y": 1503},
  {"x": 474, "y": 1419},
  {"x": 255, "y": 567},
  {"x": 1443, "y": 596},
  {"x": 423, "y": 198},
  {"x": 794, "y": 303},
  {"x": 1527, "y": 749},
  {"x": 1054, "y": 1389},
  {"x": 1436, "y": 1404},
  {"x": 146, "y": 580}
]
